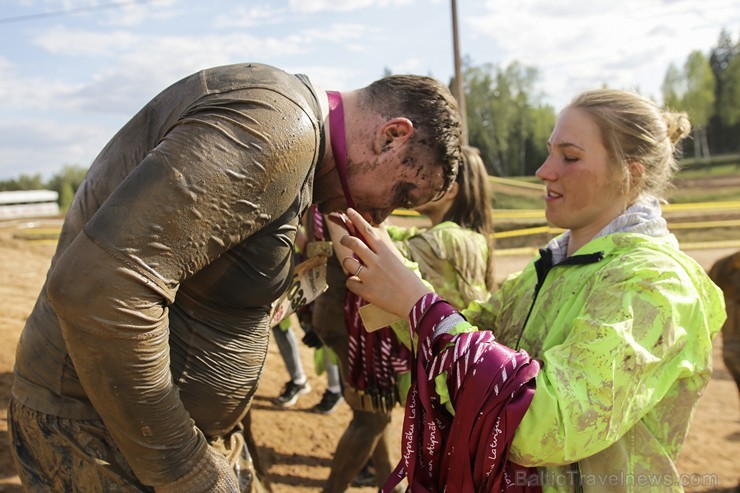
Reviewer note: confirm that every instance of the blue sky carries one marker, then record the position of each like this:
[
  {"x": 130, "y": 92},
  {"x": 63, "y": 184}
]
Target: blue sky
[{"x": 73, "y": 71}]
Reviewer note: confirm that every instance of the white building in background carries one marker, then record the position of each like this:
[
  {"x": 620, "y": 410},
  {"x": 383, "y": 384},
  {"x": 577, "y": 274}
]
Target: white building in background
[{"x": 28, "y": 203}]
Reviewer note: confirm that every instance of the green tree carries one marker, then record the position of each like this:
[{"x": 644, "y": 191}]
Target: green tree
[
  {"x": 726, "y": 66},
  {"x": 724, "y": 128},
  {"x": 543, "y": 121},
  {"x": 698, "y": 101},
  {"x": 23, "y": 182},
  {"x": 66, "y": 195},
  {"x": 720, "y": 57},
  {"x": 693, "y": 91},
  {"x": 66, "y": 182},
  {"x": 504, "y": 111},
  {"x": 729, "y": 96},
  {"x": 480, "y": 89},
  {"x": 673, "y": 87}
]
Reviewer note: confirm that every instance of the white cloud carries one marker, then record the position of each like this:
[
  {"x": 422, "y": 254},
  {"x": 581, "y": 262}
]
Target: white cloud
[
  {"x": 99, "y": 11},
  {"x": 43, "y": 146},
  {"x": 23, "y": 95},
  {"x": 342, "y": 5},
  {"x": 70, "y": 42},
  {"x": 583, "y": 44},
  {"x": 336, "y": 32},
  {"x": 8, "y": 79},
  {"x": 132, "y": 77},
  {"x": 326, "y": 77},
  {"x": 250, "y": 17},
  {"x": 136, "y": 14},
  {"x": 410, "y": 66}
]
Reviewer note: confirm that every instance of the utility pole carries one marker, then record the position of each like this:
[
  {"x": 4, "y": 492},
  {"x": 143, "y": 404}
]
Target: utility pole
[{"x": 459, "y": 87}]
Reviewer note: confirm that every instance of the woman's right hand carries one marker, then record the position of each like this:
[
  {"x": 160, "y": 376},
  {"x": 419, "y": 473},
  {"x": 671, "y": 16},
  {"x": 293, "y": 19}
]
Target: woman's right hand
[{"x": 379, "y": 276}]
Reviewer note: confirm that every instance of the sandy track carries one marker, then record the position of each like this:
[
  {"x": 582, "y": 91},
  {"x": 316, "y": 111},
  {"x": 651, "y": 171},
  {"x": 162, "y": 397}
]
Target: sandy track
[{"x": 296, "y": 445}]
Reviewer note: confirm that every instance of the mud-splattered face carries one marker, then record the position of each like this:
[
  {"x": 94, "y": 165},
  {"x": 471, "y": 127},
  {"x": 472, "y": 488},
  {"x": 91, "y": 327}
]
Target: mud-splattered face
[
  {"x": 394, "y": 178},
  {"x": 583, "y": 190},
  {"x": 393, "y": 184}
]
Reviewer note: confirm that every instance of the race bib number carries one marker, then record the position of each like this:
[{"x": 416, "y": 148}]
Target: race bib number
[{"x": 309, "y": 281}]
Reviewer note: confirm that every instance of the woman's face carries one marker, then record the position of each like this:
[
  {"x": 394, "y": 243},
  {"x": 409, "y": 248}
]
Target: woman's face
[{"x": 583, "y": 191}]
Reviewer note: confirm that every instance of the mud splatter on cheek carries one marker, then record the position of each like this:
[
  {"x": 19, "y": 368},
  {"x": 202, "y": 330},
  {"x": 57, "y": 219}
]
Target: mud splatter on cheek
[{"x": 401, "y": 194}]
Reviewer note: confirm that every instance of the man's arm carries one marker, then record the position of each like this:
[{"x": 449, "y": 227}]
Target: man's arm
[{"x": 190, "y": 200}]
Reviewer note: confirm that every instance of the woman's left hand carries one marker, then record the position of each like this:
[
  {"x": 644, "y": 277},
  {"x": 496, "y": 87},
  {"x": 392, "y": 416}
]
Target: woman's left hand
[{"x": 379, "y": 276}]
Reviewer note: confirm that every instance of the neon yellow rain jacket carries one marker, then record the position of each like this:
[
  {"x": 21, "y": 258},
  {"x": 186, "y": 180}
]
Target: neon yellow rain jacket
[
  {"x": 625, "y": 338},
  {"x": 451, "y": 258}
]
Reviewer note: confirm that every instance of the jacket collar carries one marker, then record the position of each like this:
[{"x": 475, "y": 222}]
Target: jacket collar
[{"x": 644, "y": 217}]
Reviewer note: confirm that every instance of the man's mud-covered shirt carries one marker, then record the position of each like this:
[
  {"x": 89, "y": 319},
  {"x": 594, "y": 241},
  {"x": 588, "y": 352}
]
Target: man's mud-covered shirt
[{"x": 179, "y": 239}]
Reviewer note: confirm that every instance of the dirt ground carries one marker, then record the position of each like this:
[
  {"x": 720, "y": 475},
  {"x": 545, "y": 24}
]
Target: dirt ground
[{"x": 296, "y": 445}]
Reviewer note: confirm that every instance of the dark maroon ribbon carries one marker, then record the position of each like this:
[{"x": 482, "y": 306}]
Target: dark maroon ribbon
[
  {"x": 372, "y": 357},
  {"x": 339, "y": 141},
  {"x": 369, "y": 355},
  {"x": 422, "y": 422},
  {"x": 467, "y": 453},
  {"x": 318, "y": 223}
]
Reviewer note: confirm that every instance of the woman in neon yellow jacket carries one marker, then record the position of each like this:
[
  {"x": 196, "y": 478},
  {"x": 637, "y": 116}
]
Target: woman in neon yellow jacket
[{"x": 620, "y": 320}]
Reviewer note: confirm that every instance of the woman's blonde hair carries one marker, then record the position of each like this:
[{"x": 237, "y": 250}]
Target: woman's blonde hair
[{"x": 634, "y": 129}]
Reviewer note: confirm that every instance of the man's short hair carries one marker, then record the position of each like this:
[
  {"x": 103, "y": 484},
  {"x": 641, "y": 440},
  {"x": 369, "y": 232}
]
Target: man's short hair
[{"x": 432, "y": 109}]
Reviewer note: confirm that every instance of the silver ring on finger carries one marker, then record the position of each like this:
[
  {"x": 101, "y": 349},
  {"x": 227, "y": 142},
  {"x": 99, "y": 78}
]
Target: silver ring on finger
[{"x": 357, "y": 273}]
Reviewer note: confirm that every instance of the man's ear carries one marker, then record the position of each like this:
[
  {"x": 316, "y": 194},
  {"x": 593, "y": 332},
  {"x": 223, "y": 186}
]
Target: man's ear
[{"x": 394, "y": 132}]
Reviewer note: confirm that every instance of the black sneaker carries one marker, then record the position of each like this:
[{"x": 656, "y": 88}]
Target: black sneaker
[
  {"x": 292, "y": 392},
  {"x": 329, "y": 402}
]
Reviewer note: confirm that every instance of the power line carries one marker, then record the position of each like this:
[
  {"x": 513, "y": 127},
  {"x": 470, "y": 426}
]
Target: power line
[{"x": 71, "y": 11}]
